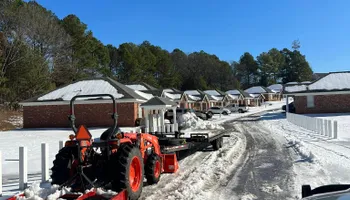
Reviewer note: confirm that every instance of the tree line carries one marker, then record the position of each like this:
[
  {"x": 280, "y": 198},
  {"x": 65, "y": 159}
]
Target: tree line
[{"x": 40, "y": 52}]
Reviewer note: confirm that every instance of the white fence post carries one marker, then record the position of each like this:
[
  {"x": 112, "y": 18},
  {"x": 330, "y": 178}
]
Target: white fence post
[
  {"x": 168, "y": 128},
  {"x": 60, "y": 145},
  {"x": 0, "y": 174},
  {"x": 44, "y": 162},
  {"x": 326, "y": 127},
  {"x": 23, "y": 168},
  {"x": 329, "y": 128},
  {"x": 335, "y": 129}
]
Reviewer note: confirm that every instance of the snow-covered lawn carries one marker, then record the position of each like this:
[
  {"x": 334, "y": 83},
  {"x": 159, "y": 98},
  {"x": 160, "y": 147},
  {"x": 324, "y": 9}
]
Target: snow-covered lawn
[
  {"x": 343, "y": 123},
  {"x": 318, "y": 160},
  {"x": 10, "y": 141}
]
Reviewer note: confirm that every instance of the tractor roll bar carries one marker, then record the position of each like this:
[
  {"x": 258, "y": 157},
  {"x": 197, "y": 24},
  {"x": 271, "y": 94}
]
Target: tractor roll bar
[{"x": 72, "y": 116}]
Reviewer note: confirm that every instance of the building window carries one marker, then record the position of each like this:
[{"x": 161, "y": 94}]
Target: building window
[{"x": 310, "y": 101}]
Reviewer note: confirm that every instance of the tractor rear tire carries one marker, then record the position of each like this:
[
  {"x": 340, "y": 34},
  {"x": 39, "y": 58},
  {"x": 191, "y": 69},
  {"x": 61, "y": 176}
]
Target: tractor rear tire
[
  {"x": 62, "y": 165},
  {"x": 127, "y": 170},
  {"x": 153, "y": 169}
]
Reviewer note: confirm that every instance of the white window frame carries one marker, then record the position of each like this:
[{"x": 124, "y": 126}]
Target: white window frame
[{"x": 310, "y": 101}]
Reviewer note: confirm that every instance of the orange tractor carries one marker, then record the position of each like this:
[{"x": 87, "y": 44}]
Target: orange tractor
[{"x": 117, "y": 161}]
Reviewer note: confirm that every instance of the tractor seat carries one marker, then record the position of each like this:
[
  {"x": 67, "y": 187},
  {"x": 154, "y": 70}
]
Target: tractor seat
[{"x": 105, "y": 134}]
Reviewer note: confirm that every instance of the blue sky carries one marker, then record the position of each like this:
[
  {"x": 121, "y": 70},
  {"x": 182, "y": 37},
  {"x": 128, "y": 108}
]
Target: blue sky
[{"x": 227, "y": 28}]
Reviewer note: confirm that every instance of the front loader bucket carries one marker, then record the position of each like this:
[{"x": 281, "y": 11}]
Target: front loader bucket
[
  {"x": 92, "y": 195},
  {"x": 170, "y": 164}
]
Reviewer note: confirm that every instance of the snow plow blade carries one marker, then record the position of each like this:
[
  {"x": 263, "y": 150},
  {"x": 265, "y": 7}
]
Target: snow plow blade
[{"x": 90, "y": 195}]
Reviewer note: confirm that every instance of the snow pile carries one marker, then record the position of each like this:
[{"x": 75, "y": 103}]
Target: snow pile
[
  {"x": 335, "y": 81},
  {"x": 271, "y": 189},
  {"x": 48, "y": 192},
  {"x": 249, "y": 197},
  {"x": 107, "y": 194},
  {"x": 82, "y": 88},
  {"x": 35, "y": 192},
  {"x": 300, "y": 148},
  {"x": 191, "y": 121}
]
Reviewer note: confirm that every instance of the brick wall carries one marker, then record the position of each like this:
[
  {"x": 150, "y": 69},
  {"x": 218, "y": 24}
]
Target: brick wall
[
  {"x": 323, "y": 104},
  {"x": 92, "y": 115}
]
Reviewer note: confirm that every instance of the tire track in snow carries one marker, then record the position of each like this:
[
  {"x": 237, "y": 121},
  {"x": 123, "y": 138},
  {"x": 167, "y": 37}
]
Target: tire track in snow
[
  {"x": 200, "y": 174},
  {"x": 267, "y": 171}
]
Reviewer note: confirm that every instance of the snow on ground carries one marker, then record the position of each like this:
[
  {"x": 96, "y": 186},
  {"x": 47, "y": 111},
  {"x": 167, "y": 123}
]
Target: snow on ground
[
  {"x": 318, "y": 160},
  {"x": 269, "y": 105},
  {"x": 202, "y": 175},
  {"x": 343, "y": 120},
  {"x": 10, "y": 141},
  {"x": 16, "y": 121}
]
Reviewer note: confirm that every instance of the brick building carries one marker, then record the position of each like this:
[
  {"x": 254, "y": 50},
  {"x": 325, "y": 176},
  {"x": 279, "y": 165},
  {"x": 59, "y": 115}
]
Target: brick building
[
  {"x": 267, "y": 93},
  {"x": 242, "y": 97},
  {"x": 330, "y": 94},
  {"x": 52, "y": 109}
]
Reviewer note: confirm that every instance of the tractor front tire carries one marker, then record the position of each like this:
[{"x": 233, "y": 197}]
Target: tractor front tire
[
  {"x": 153, "y": 169},
  {"x": 61, "y": 170},
  {"x": 127, "y": 170}
]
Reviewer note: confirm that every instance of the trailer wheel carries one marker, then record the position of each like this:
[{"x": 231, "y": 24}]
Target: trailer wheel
[
  {"x": 126, "y": 170},
  {"x": 216, "y": 144},
  {"x": 153, "y": 169},
  {"x": 221, "y": 142},
  {"x": 62, "y": 165},
  {"x": 305, "y": 191}
]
